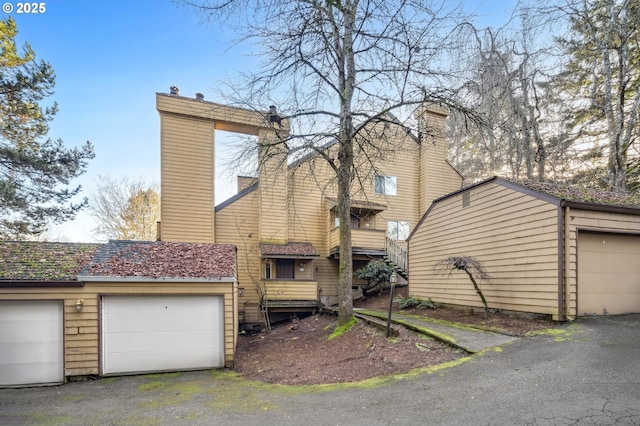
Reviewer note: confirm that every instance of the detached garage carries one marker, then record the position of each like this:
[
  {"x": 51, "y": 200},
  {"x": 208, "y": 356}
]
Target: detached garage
[
  {"x": 557, "y": 250},
  {"x": 123, "y": 307}
]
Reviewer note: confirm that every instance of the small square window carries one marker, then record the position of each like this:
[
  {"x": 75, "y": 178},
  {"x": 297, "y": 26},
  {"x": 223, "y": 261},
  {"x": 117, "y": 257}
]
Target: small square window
[{"x": 385, "y": 185}]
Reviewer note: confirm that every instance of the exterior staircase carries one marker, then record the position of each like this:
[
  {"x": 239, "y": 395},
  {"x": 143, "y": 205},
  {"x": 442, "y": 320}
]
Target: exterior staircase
[{"x": 397, "y": 257}]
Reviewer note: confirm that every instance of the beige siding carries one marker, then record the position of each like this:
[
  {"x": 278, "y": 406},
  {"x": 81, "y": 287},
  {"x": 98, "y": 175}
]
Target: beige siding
[
  {"x": 436, "y": 176},
  {"x": 290, "y": 204},
  {"x": 187, "y": 179},
  {"x": 291, "y": 290},
  {"x": 237, "y": 224},
  {"x": 81, "y": 333},
  {"x": 273, "y": 191},
  {"x": 514, "y": 235}
]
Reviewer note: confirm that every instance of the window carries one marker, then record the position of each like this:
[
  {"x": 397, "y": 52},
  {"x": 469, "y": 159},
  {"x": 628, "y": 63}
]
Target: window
[
  {"x": 285, "y": 268},
  {"x": 267, "y": 269},
  {"x": 398, "y": 230},
  {"x": 385, "y": 185}
]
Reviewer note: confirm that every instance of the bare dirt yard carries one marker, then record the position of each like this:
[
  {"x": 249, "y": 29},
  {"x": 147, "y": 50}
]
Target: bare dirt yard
[{"x": 304, "y": 354}]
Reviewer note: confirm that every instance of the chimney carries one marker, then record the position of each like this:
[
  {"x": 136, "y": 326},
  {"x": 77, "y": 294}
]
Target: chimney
[
  {"x": 199, "y": 96},
  {"x": 174, "y": 91}
]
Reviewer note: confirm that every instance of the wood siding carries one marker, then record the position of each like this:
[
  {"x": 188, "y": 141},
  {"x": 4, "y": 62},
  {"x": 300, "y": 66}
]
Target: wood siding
[
  {"x": 273, "y": 190},
  {"x": 237, "y": 224},
  {"x": 290, "y": 203},
  {"x": 291, "y": 290},
  {"x": 187, "y": 179},
  {"x": 513, "y": 234},
  {"x": 82, "y": 329}
]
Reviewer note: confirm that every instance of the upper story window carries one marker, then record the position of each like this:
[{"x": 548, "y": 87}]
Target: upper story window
[
  {"x": 398, "y": 230},
  {"x": 385, "y": 185}
]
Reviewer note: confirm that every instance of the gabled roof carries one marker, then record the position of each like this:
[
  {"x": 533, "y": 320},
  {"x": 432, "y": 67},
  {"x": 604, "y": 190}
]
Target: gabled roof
[
  {"x": 574, "y": 196},
  {"x": 43, "y": 261},
  {"x": 155, "y": 259},
  {"x": 292, "y": 250}
]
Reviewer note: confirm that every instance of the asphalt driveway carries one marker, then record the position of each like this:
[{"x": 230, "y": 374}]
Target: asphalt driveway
[{"x": 584, "y": 373}]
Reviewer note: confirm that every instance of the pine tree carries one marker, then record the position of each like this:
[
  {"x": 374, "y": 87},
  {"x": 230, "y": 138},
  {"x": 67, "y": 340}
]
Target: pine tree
[
  {"x": 35, "y": 171},
  {"x": 602, "y": 78}
]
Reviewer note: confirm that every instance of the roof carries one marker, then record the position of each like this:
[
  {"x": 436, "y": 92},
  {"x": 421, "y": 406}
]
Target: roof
[
  {"x": 156, "y": 259},
  {"x": 358, "y": 204},
  {"x": 288, "y": 250},
  {"x": 561, "y": 194},
  {"x": 582, "y": 194},
  {"x": 43, "y": 261}
]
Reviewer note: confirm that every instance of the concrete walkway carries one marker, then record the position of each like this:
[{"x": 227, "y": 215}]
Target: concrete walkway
[{"x": 469, "y": 339}]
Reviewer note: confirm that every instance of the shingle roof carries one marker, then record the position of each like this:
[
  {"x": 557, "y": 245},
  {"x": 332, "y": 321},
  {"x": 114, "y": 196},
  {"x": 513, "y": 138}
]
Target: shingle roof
[
  {"x": 583, "y": 194},
  {"x": 290, "y": 249},
  {"x": 41, "y": 261},
  {"x": 162, "y": 260}
]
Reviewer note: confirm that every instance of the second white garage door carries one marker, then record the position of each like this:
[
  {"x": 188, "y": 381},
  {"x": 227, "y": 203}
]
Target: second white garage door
[
  {"x": 161, "y": 333},
  {"x": 608, "y": 273},
  {"x": 31, "y": 342}
]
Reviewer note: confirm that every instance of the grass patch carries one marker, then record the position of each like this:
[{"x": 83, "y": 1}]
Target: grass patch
[{"x": 341, "y": 329}]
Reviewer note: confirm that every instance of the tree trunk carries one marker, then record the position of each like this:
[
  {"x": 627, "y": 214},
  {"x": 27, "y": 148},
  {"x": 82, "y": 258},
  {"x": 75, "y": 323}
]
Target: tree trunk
[{"x": 346, "y": 78}]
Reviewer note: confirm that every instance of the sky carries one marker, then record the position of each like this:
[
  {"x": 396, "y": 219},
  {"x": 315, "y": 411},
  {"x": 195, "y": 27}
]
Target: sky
[{"x": 112, "y": 56}]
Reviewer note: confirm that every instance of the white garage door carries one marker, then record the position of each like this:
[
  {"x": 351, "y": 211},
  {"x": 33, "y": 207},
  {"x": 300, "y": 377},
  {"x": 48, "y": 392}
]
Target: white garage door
[
  {"x": 31, "y": 342},
  {"x": 608, "y": 273},
  {"x": 161, "y": 333}
]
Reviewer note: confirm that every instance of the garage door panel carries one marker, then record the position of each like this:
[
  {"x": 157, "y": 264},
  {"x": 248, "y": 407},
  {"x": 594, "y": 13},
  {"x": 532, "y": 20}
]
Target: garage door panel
[
  {"x": 31, "y": 342},
  {"x": 608, "y": 273},
  {"x": 137, "y": 323},
  {"x": 156, "y": 333}
]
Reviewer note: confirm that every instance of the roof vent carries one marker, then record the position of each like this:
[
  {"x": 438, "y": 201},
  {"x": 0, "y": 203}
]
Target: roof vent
[
  {"x": 199, "y": 96},
  {"x": 174, "y": 91}
]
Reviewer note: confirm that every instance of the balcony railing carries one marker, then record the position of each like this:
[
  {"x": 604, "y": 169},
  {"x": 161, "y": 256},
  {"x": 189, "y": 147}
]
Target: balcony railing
[
  {"x": 360, "y": 237},
  {"x": 282, "y": 290},
  {"x": 397, "y": 254}
]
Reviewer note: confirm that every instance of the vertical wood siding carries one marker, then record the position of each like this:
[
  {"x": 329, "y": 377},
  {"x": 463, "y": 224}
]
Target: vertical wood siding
[{"x": 513, "y": 234}]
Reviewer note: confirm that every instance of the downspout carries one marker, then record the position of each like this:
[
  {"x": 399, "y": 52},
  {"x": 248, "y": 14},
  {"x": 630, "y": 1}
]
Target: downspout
[
  {"x": 568, "y": 315},
  {"x": 561, "y": 261}
]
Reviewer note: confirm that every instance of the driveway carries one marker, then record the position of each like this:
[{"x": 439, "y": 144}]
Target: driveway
[{"x": 584, "y": 373}]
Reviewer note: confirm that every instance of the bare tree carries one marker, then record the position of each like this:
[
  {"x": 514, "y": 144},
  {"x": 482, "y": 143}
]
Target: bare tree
[
  {"x": 125, "y": 209},
  {"x": 339, "y": 69},
  {"x": 509, "y": 87},
  {"x": 474, "y": 270}
]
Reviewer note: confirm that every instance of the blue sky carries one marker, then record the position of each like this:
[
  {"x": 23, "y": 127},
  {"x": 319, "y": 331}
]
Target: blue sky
[{"x": 112, "y": 56}]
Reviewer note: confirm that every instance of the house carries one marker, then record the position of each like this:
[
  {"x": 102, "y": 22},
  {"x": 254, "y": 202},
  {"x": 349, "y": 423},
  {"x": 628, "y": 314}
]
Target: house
[
  {"x": 283, "y": 221},
  {"x": 549, "y": 249},
  {"x": 117, "y": 308}
]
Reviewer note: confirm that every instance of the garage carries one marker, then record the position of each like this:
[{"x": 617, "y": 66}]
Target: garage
[
  {"x": 31, "y": 343},
  {"x": 161, "y": 333},
  {"x": 608, "y": 273}
]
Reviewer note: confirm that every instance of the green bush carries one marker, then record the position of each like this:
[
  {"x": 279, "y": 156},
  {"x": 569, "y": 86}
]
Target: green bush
[{"x": 413, "y": 302}]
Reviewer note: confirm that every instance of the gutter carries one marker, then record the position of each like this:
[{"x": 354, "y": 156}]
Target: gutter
[
  {"x": 561, "y": 260},
  {"x": 89, "y": 278},
  {"x": 39, "y": 283}
]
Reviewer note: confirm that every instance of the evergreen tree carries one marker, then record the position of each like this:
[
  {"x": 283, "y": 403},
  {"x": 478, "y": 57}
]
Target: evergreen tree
[
  {"x": 35, "y": 171},
  {"x": 602, "y": 79}
]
